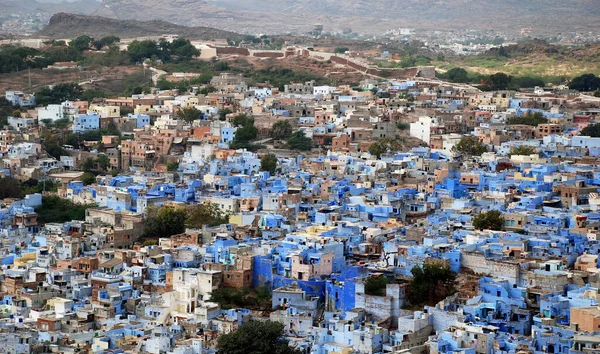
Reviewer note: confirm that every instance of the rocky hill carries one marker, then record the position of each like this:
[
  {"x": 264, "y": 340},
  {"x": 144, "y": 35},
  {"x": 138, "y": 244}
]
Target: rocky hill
[
  {"x": 63, "y": 25},
  {"x": 33, "y": 6},
  {"x": 262, "y": 16}
]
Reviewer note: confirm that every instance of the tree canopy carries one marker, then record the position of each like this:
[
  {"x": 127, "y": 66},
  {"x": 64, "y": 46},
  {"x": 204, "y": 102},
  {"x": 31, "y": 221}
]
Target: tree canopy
[
  {"x": 56, "y": 209},
  {"x": 58, "y": 94},
  {"x": 469, "y": 145},
  {"x": 107, "y": 41},
  {"x": 223, "y": 113},
  {"x": 491, "y": 220},
  {"x": 592, "y": 130},
  {"x": 281, "y": 130},
  {"x": 164, "y": 221},
  {"x": 140, "y": 50},
  {"x": 245, "y": 133},
  {"x": 10, "y": 188},
  {"x": 585, "y": 83},
  {"x": 88, "y": 178},
  {"x": 179, "y": 49},
  {"x": 523, "y": 150},
  {"x": 81, "y": 43},
  {"x": 189, "y": 114},
  {"x": 268, "y": 162},
  {"x": 206, "y": 214},
  {"x": 256, "y": 337},
  {"x": 384, "y": 145},
  {"x": 299, "y": 141},
  {"x": 497, "y": 81},
  {"x": 457, "y": 75},
  {"x": 376, "y": 285},
  {"x": 431, "y": 284},
  {"x": 532, "y": 119}
]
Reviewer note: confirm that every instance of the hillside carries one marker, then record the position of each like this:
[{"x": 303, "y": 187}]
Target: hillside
[
  {"x": 33, "y": 6},
  {"x": 533, "y": 58},
  {"x": 373, "y": 16},
  {"x": 63, "y": 25}
]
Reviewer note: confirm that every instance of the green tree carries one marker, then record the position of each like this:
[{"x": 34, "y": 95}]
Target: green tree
[
  {"x": 58, "y": 94},
  {"x": 140, "y": 50},
  {"x": 204, "y": 78},
  {"x": 88, "y": 178},
  {"x": 208, "y": 89},
  {"x": 499, "y": 81},
  {"x": 376, "y": 285},
  {"x": 89, "y": 164},
  {"x": 62, "y": 123},
  {"x": 523, "y": 150},
  {"x": 457, "y": 75},
  {"x": 469, "y": 145},
  {"x": 268, "y": 162},
  {"x": 281, "y": 130},
  {"x": 340, "y": 50},
  {"x": 431, "y": 284},
  {"x": 103, "y": 162},
  {"x": 527, "y": 82},
  {"x": 384, "y": 145},
  {"x": 299, "y": 141},
  {"x": 10, "y": 188},
  {"x": 183, "y": 49},
  {"x": 172, "y": 166},
  {"x": 164, "y": 84},
  {"x": 585, "y": 83},
  {"x": 56, "y": 209},
  {"x": 245, "y": 133},
  {"x": 223, "y": 113},
  {"x": 164, "y": 221},
  {"x": 491, "y": 220},
  {"x": 532, "y": 119},
  {"x": 256, "y": 337},
  {"x": 32, "y": 186},
  {"x": 107, "y": 41},
  {"x": 189, "y": 114},
  {"x": 592, "y": 130},
  {"x": 230, "y": 298},
  {"x": 279, "y": 76},
  {"x": 81, "y": 43},
  {"x": 52, "y": 146},
  {"x": 206, "y": 214},
  {"x": 378, "y": 148}
]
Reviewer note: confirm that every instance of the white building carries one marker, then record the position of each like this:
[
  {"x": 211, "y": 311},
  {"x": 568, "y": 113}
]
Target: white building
[
  {"x": 421, "y": 129},
  {"x": 21, "y": 123},
  {"x": 52, "y": 112},
  {"x": 323, "y": 90}
]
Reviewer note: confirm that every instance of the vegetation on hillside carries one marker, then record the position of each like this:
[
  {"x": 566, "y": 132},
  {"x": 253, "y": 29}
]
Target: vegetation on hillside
[
  {"x": 256, "y": 337},
  {"x": 535, "y": 59},
  {"x": 532, "y": 119},
  {"x": 431, "y": 284},
  {"x": 490, "y": 220},
  {"x": 56, "y": 209},
  {"x": 469, "y": 145}
]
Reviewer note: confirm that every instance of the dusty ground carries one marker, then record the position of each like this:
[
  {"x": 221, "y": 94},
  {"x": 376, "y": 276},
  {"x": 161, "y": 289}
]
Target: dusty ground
[
  {"x": 103, "y": 78},
  {"x": 466, "y": 283},
  {"x": 338, "y": 74}
]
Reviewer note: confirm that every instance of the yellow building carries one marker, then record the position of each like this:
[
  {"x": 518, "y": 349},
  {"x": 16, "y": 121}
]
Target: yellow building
[{"x": 106, "y": 111}]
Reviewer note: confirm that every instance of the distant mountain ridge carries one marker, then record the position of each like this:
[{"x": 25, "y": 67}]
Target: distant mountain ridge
[
  {"x": 64, "y": 25},
  {"x": 33, "y": 6},
  {"x": 365, "y": 15}
]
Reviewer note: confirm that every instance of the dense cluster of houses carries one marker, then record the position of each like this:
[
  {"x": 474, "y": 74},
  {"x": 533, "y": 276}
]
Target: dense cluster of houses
[{"x": 314, "y": 231}]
